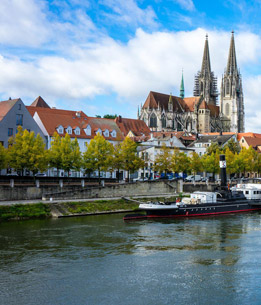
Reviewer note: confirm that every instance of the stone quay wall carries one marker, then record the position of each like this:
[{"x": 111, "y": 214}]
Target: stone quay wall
[{"x": 146, "y": 188}]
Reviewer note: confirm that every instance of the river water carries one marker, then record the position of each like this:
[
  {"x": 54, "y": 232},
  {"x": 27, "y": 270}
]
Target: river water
[{"x": 104, "y": 260}]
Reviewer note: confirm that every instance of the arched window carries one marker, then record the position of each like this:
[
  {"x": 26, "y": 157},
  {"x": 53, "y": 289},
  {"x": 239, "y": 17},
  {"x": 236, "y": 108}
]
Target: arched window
[
  {"x": 227, "y": 86},
  {"x": 153, "y": 120},
  {"x": 163, "y": 121},
  {"x": 227, "y": 109}
]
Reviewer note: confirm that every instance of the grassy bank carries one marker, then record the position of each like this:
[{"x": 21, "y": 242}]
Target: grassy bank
[
  {"x": 24, "y": 211},
  {"x": 99, "y": 206},
  {"x": 40, "y": 210}
]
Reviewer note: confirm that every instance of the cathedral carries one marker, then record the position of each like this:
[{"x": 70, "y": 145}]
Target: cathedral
[{"x": 200, "y": 113}]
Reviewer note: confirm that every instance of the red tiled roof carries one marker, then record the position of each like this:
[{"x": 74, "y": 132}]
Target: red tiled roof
[
  {"x": 248, "y": 134},
  {"x": 137, "y": 127},
  {"x": 52, "y": 118},
  {"x": 40, "y": 102},
  {"x": 156, "y": 99},
  {"x": 6, "y": 106},
  {"x": 254, "y": 142}
]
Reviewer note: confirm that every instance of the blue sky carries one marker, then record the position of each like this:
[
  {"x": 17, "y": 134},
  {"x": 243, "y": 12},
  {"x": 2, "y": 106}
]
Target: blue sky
[{"x": 105, "y": 56}]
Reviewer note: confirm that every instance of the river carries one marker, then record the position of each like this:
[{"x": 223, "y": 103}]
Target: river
[{"x": 103, "y": 260}]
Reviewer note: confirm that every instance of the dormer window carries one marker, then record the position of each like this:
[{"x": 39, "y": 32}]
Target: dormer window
[
  {"x": 69, "y": 130},
  {"x": 60, "y": 129},
  {"x": 88, "y": 130},
  {"x": 113, "y": 134},
  {"x": 77, "y": 131},
  {"x": 99, "y": 131},
  {"x": 106, "y": 133}
]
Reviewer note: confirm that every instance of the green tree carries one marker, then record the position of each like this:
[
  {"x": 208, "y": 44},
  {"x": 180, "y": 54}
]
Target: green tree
[
  {"x": 195, "y": 163},
  {"x": 180, "y": 162},
  {"x": 211, "y": 163},
  {"x": 110, "y": 116},
  {"x": 131, "y": 161},
  {"x": 257, "y": 165},
  {"x": 70, "y": 154},
  {"x": 27, "y": 152},
  {"x": 233, "y": 146},
  {"x": 230, "y": 161},
  {"x": 117, "y": 159},
  {"x": 213, "y": 148},
  {"x": 3, "y": 157},
  {"x": 98, "y": 155},
  {"x": 54, "y": 153},
  {"x": 162, "y": 162}
]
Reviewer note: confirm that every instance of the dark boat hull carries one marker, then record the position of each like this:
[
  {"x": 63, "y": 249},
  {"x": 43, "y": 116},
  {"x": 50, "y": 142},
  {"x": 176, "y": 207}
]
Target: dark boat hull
[{"x": 206, "y": 210}]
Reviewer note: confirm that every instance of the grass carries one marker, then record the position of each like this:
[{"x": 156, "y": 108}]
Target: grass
[
  {"x": 99, "y": 206},
  {"x": 24, "y": 211}
]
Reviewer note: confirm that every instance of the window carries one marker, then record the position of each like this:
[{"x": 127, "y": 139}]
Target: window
[
  {"x": 106, "y": 133},
  {"x": 227, "y": 109},
  {"x": 88, "y": 130},
  {"x": 19, "y": 119},
  {"x": 10, "y": 132},
  {"x": 19, "y": 107},
  {"x": 77, "y": 131},
  {"x": 60, "y": 129},
  {"x": 113, "y": 134},
  {"x": 153, "y": 120},
  {"x": 163, "y": 122},
  {"x": 99, "y": 131},
  {"x": 69, "y": 130}
]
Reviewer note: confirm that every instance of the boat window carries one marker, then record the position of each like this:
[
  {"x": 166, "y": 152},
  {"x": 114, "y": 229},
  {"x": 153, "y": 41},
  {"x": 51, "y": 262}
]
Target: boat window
[
  {"x": 247, "y": 192},
  {"x": 254, "y": 192}
]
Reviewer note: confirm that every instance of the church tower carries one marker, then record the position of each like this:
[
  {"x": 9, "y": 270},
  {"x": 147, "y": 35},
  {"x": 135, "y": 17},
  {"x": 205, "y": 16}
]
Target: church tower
[
  {"x": 182, "y": 89},
  {"x": 205, "y": 81},
  {"x": 231, "y": 96}
]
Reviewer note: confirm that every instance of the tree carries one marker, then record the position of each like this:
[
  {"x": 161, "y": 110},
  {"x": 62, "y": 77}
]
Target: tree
[
  {"x": 195, "y": 163},
  {"x": 27, "y": 152},
  {"x": 117, "y": 159},
  {"x": 230, "y": 161},
  {"x": 180, "y": 162},
  {"x": 110, "y": 116},
  {"x": 98, "y": 155},
  {"x": 3, "y": 157},
  {"x": 70, "y": 154},
  {"x": 211, "y": 163},
  {"x": 245, "y": 160},
  {"x": 213, "y": 148},
  {"x": 131, "y": 161},
  {"x": 233, "y": 146},
  {"x": 162, "y": 162},
  {"x": 54, "y": 153}
]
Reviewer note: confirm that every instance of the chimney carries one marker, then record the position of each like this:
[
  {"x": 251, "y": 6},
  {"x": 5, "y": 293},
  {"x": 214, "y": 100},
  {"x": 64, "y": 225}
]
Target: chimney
[
  {"x": 119, "y": 118},
  {"x": 78, "y": 114}
]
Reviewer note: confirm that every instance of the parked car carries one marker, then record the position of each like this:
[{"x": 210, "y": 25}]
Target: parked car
[
  {"x": 193, "y": 178},
  {"x": 40, "y": 175}
]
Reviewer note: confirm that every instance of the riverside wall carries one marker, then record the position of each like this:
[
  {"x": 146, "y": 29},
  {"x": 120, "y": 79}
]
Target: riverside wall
[{"x": 146, "y": 188}]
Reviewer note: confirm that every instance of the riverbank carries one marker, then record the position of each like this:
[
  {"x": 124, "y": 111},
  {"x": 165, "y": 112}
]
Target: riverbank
[{"x": 70, "y": 208}]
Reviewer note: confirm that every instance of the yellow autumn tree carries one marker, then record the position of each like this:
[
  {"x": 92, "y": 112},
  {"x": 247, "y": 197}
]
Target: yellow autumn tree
[{"x": 98, "y": 155}]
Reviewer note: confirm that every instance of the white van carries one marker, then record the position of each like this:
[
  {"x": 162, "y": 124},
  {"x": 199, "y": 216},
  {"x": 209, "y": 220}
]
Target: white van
[{"x": 193, "y": 178}]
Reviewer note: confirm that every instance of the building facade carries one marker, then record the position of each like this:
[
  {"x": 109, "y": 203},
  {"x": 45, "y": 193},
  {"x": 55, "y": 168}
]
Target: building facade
[{"x": 200, "y": 113}]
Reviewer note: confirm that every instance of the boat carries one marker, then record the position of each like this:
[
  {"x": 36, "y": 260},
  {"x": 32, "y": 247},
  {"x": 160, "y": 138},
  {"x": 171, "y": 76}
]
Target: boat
[{"x": 238, "y": 199}]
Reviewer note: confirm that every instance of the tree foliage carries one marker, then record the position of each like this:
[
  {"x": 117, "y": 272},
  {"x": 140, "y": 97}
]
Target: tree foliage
[
  {"x": 163, "y": 160},
  {"x": 3, "y": 157},
  {"x": 27, "y": 152},
  {"x": 98, "y": 155}
]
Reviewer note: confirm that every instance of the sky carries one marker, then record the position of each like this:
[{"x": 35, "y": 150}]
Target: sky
[{"x": 105, "y": 56}]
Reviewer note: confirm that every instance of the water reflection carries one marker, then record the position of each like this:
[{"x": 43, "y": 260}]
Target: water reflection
[{"x": 103, "y": 258}]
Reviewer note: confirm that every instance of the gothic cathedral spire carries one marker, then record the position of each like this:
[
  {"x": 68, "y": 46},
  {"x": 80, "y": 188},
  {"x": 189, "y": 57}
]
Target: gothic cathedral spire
[
  {"x": 205, "y": 81},
  {"x": 182, "y": 90},
  {"x": 231, "y": 96}
]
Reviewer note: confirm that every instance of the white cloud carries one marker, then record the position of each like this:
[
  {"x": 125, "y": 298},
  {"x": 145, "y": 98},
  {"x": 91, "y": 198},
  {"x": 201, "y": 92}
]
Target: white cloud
[
  {"x": 127, "y": 12},
  {"x": 92, "y": 64},
  {"x": 22, "y": 22},
  {"x": 186, "y": 4}
]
